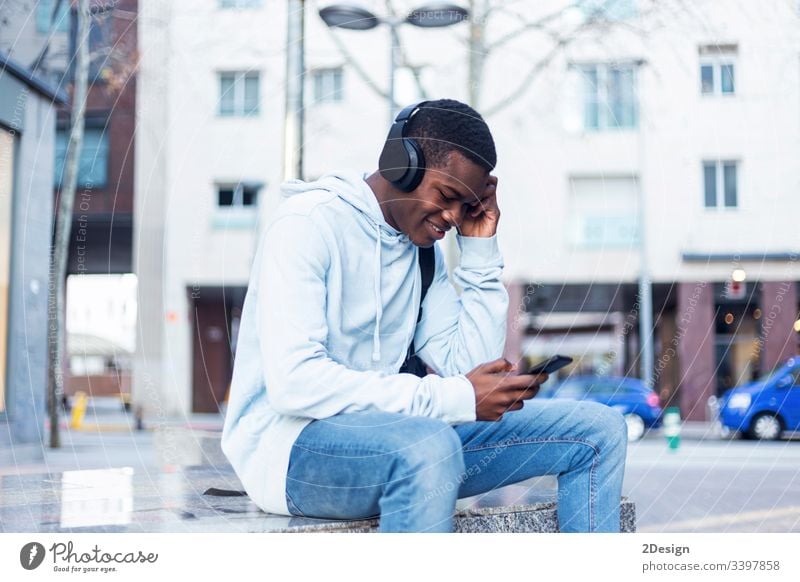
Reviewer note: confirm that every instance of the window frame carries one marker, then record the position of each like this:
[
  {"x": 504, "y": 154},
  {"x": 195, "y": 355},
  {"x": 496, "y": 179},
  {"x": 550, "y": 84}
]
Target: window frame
[
  {"x": 724, "y": 57},
  {"x": 329, "y": 74},
  {"x": 602, "y": 98},
  {"x": 237, "y": 215},
  {"x": 578, "y": 238},
  {"x": 239, "y": 88},
  {"x": 720, "y": 183},
  {"x": 237, "y": 203}
]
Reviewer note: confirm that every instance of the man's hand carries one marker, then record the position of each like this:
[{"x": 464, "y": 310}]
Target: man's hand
[
  {"x": 498, "y": 389},
  {"x": 481, "y": 218}
]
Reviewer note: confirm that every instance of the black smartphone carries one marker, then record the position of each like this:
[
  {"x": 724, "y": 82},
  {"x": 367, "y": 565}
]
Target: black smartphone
[{"x": 550, "y": 365}]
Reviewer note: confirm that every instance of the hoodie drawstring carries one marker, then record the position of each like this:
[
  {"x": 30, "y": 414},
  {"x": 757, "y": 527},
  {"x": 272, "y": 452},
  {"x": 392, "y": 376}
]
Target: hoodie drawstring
[{"x": 376, "y": 338}]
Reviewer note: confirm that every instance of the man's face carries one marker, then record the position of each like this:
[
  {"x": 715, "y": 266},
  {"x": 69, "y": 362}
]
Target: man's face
[{"x": 441, "y": 200}]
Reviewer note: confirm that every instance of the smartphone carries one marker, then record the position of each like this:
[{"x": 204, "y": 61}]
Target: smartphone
[{"x": 550, "y": 365}]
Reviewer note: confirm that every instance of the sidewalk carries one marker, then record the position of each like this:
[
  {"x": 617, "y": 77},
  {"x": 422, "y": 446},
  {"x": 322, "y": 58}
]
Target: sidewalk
[
  {"x": 108, "y": 438},
  {"x": 110, "y": 477}
]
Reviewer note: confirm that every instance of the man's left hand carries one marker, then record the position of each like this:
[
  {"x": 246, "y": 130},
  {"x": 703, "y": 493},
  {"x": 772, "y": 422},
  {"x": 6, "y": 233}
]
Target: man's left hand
[{"x": 480, "y": 220}]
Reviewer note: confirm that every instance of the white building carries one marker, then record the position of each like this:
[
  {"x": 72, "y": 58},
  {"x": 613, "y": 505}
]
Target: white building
[{"x": 691, "y": 108}]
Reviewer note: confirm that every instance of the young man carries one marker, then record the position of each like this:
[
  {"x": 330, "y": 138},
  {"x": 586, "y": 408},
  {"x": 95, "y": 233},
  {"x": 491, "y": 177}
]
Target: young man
[{"x": 321, "y": 423}]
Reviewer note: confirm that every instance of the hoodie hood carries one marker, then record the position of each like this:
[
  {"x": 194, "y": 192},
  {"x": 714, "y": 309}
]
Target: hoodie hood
[{"x": 351, "y": 186}]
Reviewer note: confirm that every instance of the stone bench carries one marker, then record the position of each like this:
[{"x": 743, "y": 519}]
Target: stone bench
[
  {"x": 527, "y": 507},
  {"x": 525, "y": 518}
]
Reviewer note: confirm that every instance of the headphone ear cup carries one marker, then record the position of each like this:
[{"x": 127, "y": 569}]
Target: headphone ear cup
[
  {"x": 393, "y": 163},
  {"x": 402, "y": 163},
  {"x": 416, "y": 166}
]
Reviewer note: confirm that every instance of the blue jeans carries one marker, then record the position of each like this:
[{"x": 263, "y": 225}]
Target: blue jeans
[{"x": 411, "y": 469}]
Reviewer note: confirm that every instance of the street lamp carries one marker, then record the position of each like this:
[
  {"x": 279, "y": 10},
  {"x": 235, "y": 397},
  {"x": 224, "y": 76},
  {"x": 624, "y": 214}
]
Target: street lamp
[{"x": 435, "y": 15}]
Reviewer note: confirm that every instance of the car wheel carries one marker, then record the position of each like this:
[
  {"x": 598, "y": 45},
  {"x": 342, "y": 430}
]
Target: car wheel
[
  {"x": 636, "y": 426},
  {"x": 766, "y": 426}
]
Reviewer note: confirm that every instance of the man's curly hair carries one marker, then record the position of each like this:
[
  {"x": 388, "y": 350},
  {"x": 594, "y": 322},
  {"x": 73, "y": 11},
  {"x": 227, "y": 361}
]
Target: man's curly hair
[{"x": 445, "y": 125}]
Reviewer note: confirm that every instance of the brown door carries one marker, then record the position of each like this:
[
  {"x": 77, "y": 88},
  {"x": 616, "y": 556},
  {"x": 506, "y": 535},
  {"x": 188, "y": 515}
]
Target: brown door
[{"x": 211, "y": 354}]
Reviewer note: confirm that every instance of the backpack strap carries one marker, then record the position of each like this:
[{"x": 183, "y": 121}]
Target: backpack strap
[{"x": 427, "y": 267}]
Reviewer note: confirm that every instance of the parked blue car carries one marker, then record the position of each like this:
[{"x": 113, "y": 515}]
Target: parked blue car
[
  {"x": 765, "y": 408},
  {"x": 638, "y": 404}
]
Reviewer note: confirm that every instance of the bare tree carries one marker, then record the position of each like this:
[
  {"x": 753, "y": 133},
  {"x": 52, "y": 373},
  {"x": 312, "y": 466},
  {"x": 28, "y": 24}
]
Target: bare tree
[
  {"x": 58, "y": 272},
  {"x": 556, "y": 30}
]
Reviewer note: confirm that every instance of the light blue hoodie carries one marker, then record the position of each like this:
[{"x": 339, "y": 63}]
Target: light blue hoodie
[{"x": 329, "y": 314}]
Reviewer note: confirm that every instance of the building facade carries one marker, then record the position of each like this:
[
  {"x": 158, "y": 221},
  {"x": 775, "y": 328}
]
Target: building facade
[
  {"x": 27, "y": 129},
  {"x": 41, "y": 35},
  {"x": 648, "y": 140}
]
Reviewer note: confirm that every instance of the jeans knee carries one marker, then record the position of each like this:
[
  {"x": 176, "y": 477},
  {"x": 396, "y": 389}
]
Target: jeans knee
[
  {"x": 435, "y": 451},
  {"x": 607, "y": 426}
]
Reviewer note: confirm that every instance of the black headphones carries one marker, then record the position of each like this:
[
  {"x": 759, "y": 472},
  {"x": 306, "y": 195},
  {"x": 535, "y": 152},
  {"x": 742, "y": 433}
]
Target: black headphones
[{"x": 401, "y": 162}]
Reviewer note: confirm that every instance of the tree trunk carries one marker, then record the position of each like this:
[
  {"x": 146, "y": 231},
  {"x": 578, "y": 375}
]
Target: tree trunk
[{"x": 57, "y": 316}]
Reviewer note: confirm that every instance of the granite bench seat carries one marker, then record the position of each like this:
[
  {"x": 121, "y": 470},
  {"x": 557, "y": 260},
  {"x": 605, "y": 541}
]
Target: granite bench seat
[
  {"x": 527, "y": 507},
  {"x": 523, "y": 518}
]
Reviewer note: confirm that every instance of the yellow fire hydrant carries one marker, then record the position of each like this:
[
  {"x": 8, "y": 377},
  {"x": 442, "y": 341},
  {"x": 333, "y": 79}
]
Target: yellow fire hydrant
[{"x": 79, "y": 410}]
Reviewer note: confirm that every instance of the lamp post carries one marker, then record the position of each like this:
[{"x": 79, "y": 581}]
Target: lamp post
[
  {"x": 435, "y": 15},
  {"x": 645, "y": 279},
  {"x": 295, "y": 66}
]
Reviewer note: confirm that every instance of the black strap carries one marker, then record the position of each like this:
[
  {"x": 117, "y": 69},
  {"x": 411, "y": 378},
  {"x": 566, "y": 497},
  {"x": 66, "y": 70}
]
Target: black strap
[
  {"x": 427, "y": 266},
  {"x": 224, "y": 492}
]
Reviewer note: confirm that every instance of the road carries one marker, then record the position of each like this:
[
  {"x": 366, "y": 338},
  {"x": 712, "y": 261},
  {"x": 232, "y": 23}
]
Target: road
[{"x": 715, "y": 485}]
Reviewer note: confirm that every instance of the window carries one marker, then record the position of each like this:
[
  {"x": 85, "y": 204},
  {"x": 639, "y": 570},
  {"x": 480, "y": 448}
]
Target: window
[
  {"x": 238, "y": 94},
  {"x": 236, "y": 205},
  {"x": 603, "y": 212},
  {"x": 240, "y": 4},
  {"x": 44, "y": 12},
  {"x": 609, "y": 96},
  {"x": 328, "y": 85},
  {"x": 237, "y": 195},
  {"x": 720, "y": 184},
  {"x": 608, "y": 9},
  {"x": 93, "y": 161},
  {"x": 718, "y": 70}
]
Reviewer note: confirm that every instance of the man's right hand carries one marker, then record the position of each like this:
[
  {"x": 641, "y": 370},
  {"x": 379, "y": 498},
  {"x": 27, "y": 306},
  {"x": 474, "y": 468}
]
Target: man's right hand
[{"x": 499, "y": 389}]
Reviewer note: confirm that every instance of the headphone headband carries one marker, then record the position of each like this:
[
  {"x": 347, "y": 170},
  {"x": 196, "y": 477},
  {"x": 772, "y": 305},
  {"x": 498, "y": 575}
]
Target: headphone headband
[{"x": 408, "y": 111}]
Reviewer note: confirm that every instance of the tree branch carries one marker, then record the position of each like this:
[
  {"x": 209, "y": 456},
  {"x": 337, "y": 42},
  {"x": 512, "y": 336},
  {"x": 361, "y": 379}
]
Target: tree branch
[
  {"x": 527, "y": 80},
  {"x": 350, "y": 60},
  {"x": 538, "y": 24}
]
